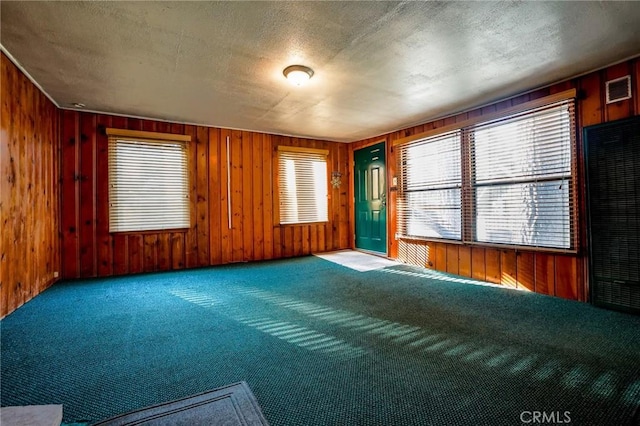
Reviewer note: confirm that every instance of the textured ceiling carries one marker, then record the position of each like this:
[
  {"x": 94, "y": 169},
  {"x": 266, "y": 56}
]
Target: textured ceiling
[{"x": 379, "y": 66}]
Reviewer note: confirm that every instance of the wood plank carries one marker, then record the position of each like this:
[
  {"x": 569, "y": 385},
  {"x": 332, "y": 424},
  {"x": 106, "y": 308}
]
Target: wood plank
[
  {"x": 104, "y": 238},
  {"x": 163, "y": 127},
  {"x": 313, "y": 239},
  {"x": 202, "y": 191},
  {"x": 478, "y": 264},
  {"x": 526, "y": 271},
  {"x": 464, "y": 261},
  {"x": 215, "y": 197},
  {"x": 441, "y": 257},
  {"x": 120, "y": 254},
  {"x": 297, "y": 241},
  {"x": 351, "y": 205},
  {"x": 545, "y": 273},
  {"x": 508, "y": 267},
  {"x": 87, "y": 228},
  {"x": 581, "y": 273},
  {"x": 287, "y": 241},
  {"x": 322, "y": 241},
  {"x": 136, "y": 253},
  {"x": 505, "y": 104},
  {"x": 343, "y": 191},
  {"x": 225, "y": 231},
  {"x": 590, "y": 106},
  {"x": 257, "y": 192},
  {"x": 191, "y": 237},
  {"x": 31, "y": 183},
  {"x": 150, "y": 258},
  {"x": 539, "y": 93},
  {"x": 566, "y": 277},
  {"x": 69, "y": 193},
  {"x": 267, "y": 196},
  {"x": 306, "y": 240},
  {"x": 277, "y": 229},
  {"x": 452, "y": 259},
  {"x": 277, "y": 242},
  {"x": 237, "y": 252},
  {"x": 247, "y": 196},
  {"x": 520, "y": 99},
  {"x": 561, "y": 87},
  {"x": 178, "y": 250},
  {"x": 430, "y": 254},
  {"x": 164, "y": 251},
  {"x": 7, "y": 180},
  {"x": 493, "y": 265},
  {"x": 23, "y": 180},
  {"x": 330, "y": 228}
]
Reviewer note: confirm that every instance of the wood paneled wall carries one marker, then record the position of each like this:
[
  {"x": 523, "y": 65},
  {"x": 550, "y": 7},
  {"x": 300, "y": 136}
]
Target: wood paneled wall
[
  {"x": 89, "y": 250},
  {"x": 29, "y": 252},
  {"x": 548, "y": 273}
]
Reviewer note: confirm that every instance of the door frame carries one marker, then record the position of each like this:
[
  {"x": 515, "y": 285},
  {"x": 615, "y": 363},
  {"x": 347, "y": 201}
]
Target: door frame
[{"x": 352, "y": 194}]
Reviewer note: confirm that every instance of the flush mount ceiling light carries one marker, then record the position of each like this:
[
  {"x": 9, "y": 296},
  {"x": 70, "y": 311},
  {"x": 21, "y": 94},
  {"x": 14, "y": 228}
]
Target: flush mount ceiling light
[
  {"x": 298, "y": 74},
  {"x": 78, "y": 105}
]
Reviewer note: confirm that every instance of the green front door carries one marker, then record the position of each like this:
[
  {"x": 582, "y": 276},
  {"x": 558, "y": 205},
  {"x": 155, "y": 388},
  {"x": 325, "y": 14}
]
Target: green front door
[{"x": 371, "y": 198}]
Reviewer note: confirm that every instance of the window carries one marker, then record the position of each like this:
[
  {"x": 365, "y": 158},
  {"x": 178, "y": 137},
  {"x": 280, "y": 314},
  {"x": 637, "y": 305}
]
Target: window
[
  {"x": 522, "y": 178},
  {"x": 430, "y": 181},
  {"x": 148, "y": 181},
  {"x": 508, "y": 181},
  {"x": 302, "y": 182}
]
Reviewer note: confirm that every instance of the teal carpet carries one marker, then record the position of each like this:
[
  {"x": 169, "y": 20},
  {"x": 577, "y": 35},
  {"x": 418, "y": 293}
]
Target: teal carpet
[{"x": 320, "y": 344}]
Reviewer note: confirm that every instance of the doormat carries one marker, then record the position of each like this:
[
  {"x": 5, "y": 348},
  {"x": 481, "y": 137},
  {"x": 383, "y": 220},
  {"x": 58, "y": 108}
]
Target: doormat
[{"x": 229, "y": 405}]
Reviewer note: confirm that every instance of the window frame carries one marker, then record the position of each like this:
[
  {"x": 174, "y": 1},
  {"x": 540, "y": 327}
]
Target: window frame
[
  {"x": 113, "y": 134},
  {"x": 276, "y": 193},
  {"x": 468, "y": 210}
]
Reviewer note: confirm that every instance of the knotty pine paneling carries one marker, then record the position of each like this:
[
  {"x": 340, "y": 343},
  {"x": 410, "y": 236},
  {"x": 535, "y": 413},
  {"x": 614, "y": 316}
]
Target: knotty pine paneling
[
  {"x": 563, "y": 275},
  {"x": 89, "y": 250},
  {"x": 29, "y": 244}
]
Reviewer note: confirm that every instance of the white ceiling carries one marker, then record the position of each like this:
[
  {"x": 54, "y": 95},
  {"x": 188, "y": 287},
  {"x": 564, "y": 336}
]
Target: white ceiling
[{"x": 379, "y": 66}]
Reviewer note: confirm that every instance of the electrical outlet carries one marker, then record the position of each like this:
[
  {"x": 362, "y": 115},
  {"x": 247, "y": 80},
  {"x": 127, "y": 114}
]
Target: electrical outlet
[{"x": 55, "y": 274}]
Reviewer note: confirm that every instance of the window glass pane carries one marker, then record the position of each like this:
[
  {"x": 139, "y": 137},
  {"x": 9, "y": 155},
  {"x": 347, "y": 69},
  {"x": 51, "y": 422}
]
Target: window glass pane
[
  {"x": 429, "y": 202},
  {"x": 148, "y": 185},
  {"x": 535, "y": 214},
  {"x": 434, "y": 214},
  {"x": 303, "y": 187},
  {"x": 521, "y": 175},
  {"x": 525, "y": 147},
  {"x": 433, "y": 163},
  {"x": 375, "y": 185}
]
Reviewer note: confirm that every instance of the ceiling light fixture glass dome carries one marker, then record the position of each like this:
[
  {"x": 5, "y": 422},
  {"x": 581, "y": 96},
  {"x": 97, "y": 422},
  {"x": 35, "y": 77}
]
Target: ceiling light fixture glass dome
[{"x": 298, "y": 74}]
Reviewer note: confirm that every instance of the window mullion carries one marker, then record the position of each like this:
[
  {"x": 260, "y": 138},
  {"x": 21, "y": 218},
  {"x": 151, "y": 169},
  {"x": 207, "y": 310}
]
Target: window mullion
[{"x": 468, "y": 202}]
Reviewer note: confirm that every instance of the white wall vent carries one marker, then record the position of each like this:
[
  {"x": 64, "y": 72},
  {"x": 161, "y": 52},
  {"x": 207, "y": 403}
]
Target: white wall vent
[{"x": 619, "y": 89}]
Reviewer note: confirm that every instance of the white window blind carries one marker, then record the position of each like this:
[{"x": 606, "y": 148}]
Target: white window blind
[
  {"x": 429, "y": 204},
  {"x": 521, "y": 190},
  {"x": 148, "y": 184},
  {"x": 302, "y": 182}
]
